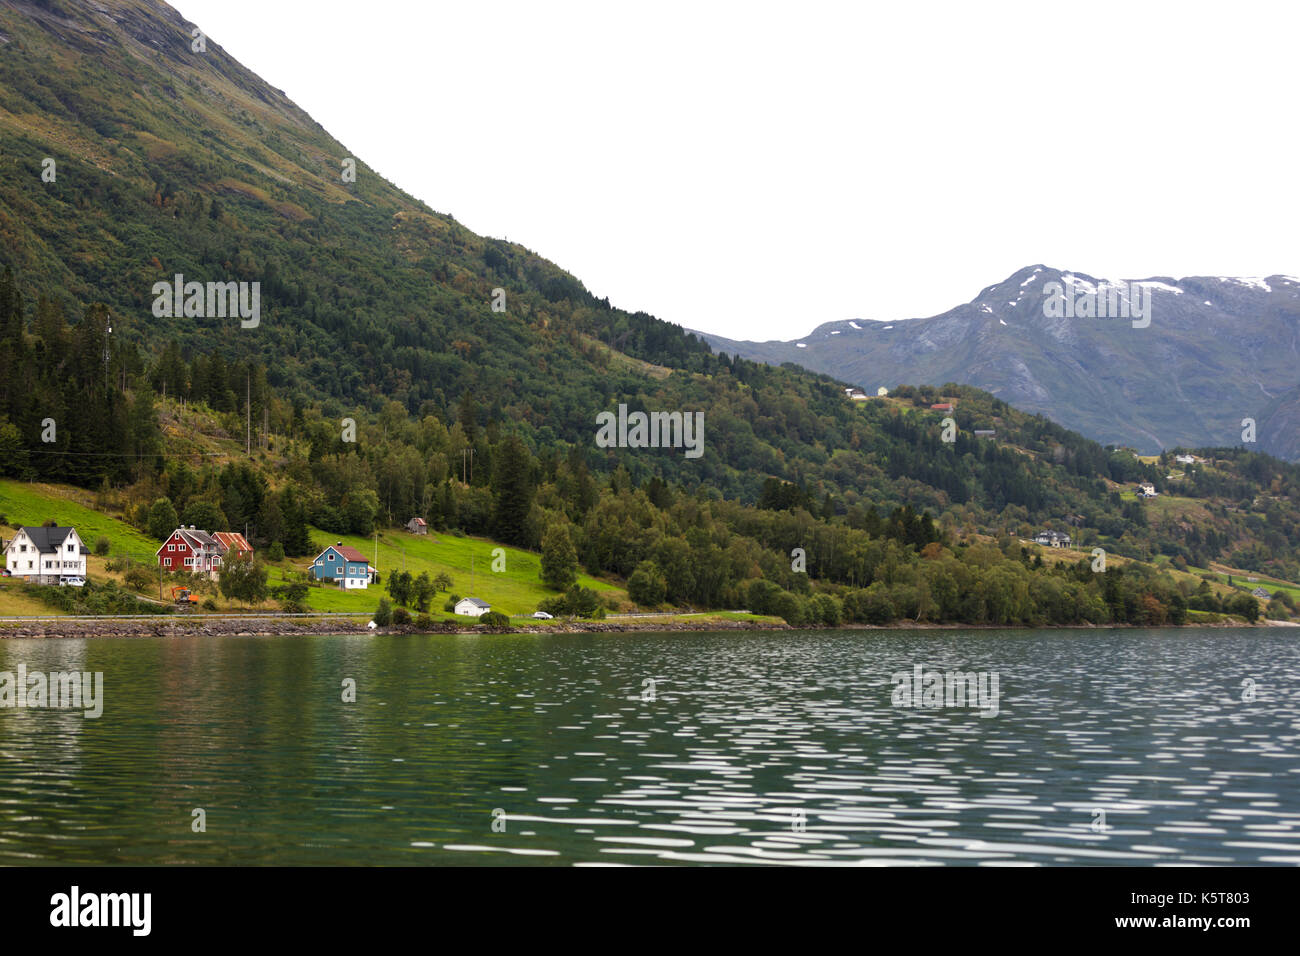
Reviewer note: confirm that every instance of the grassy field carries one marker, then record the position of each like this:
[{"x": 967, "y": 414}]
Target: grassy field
[
  {"x": 516, "y": 590},
  {"x": 14, "y": 603},
  {"x": 33, "y": 504},
  {"x": 1242, "y": 579}
]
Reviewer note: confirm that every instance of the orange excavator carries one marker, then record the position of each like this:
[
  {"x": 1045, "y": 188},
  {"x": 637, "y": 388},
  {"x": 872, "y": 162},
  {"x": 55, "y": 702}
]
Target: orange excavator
[{"x": 181, "y": 595}]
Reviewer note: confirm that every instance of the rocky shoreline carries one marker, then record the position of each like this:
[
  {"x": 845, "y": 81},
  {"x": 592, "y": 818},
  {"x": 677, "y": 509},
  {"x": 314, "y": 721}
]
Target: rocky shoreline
[{"x": 278, "y": 627}]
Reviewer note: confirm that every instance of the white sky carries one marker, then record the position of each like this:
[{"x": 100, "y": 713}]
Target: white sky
[{"x": 757, "y": 169}]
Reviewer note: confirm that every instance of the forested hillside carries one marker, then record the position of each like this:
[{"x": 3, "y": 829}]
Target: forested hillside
[{"x": 377, "y": 315}]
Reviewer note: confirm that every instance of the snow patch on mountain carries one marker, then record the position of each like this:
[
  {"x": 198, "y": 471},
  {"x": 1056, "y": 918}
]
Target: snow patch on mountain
[{"x": 1252, "y": 282}]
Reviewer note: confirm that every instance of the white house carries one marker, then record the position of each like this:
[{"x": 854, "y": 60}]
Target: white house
[
  {"x": 1146, "y": 490},
  {"x": 1185, "y": 459},
  {"x": 1053, "y": 539},
  {"x": 472, "y": 607},
  {"x": 43, "y": 555}
]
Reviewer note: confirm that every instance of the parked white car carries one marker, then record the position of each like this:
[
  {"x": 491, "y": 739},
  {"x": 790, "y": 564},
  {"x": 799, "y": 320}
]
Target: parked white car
[
  {"x": 543, "y": 616},
  {"x": 72, "y": 581}
]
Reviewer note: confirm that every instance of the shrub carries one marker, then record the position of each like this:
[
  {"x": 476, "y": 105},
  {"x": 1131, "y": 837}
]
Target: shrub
[
  {"x": 789, "y": 607},
  {"x": 647, "y": 586},
  {"x": 162, "y": 520},
  {"x": 209, "y": 604},
  {"x": 293, "y": 597},
  {"x": 576, "y": 602},
  {"x": 494, "y": 619},
  {"x": 424, "y": 622},
  {"x": 401, "y": 616},
  {"x": 383, "y": 613},
  {"x": 102, "y": 546},
  {"x": 139, "y": 577},
  {"x": 275, "y": 552}
]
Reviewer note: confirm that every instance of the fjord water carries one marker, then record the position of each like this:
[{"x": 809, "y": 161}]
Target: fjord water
[{"x": 768, "y": 748}]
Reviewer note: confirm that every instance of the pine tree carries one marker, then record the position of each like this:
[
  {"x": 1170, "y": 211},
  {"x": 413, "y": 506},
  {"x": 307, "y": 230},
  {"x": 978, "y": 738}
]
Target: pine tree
[
  {"x": 514, "y": 492},
  {"x": 559, "y": 558}
]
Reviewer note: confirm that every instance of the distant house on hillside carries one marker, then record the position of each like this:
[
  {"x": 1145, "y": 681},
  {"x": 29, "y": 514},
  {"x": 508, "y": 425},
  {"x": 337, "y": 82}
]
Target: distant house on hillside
[
  {"x": 1147, "y": 490},
  {"x": 43, "y": 555},
  {"x": 882, "y": 392},
  {"x": 472, "y": 607},
  {"x": 417, "y": 526},
  {"x": 1262, "y": 594},
  {"x": 942, "y": 407},
  {"x": 1053, "y": 539},
  {"x": 343, "y": 564},
  {"x": 189, "y": 549},
  {"x": 1186, "y": 459},
  {"x": 985, "y": 432},
  {"x": 855, "y": 395}
]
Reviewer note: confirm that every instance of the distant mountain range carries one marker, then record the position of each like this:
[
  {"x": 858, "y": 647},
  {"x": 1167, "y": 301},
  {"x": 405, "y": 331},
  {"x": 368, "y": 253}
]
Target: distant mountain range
[{"x": 1217, "y": 351}]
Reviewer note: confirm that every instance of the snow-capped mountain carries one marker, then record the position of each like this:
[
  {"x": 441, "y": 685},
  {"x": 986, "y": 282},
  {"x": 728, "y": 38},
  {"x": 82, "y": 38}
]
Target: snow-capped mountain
[{"x": 1152, "y": 363}]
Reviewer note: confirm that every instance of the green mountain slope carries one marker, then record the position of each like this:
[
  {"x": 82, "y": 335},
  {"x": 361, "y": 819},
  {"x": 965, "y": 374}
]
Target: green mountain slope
[{"x": 378, "y": 310}]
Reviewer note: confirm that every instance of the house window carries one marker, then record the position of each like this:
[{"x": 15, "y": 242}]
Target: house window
[
  {"x": 22, "y": 547},
  {"x": 167, "y": 562},
  {"x": 70, "y": 547},
  {"x": 171, "y": 547},
  {"x": 338, "y": 570}
]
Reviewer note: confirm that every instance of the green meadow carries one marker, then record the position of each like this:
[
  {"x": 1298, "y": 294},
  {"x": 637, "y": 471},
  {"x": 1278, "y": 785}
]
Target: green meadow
[
  {"x": 34, "y": 504},
  {"x": 515, "y": 589}
]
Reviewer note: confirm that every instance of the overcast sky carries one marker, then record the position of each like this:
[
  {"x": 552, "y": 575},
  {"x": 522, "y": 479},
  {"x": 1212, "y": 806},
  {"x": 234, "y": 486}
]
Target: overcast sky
[{"x": 755, "y": 170}]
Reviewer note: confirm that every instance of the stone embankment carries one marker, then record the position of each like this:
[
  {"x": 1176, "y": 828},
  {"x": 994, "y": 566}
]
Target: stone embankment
[{"x": 273, "y": 627}]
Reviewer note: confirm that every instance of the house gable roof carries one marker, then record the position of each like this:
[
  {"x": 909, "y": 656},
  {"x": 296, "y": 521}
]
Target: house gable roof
[
  {"x": 47, "y": 540},
  {"x": 474, "y": 601},
  {"x": 232, "y": 541},
  {"x": 198, "y": 540},
  {"x": 348, "y": 553}
]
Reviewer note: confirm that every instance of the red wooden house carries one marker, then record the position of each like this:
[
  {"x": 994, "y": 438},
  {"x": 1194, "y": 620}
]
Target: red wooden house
[{"x": 188, "y": 549}]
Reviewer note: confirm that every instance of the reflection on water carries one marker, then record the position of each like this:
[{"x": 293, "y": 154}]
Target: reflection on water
[{"x": 1111, "y": 747}]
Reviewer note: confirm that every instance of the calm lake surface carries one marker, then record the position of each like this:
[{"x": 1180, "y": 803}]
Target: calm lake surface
[{"x": 757, "y": 748}]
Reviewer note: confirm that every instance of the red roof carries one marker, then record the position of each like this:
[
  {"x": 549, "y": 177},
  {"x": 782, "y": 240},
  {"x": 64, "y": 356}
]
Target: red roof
[
  {"x": 233, "y": 541},
  {"x": 419, "y": 521},
  {"x": 352, "y": 554}
]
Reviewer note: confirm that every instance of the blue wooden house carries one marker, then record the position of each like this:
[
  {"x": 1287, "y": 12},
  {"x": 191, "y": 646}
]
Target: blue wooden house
[{"x": 344, "y": 565}]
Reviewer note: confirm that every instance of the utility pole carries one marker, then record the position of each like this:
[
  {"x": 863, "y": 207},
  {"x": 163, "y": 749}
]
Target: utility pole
[{"x": 248, "y": 414}]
